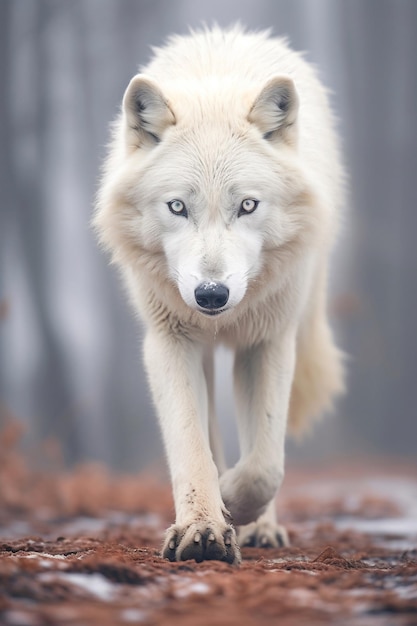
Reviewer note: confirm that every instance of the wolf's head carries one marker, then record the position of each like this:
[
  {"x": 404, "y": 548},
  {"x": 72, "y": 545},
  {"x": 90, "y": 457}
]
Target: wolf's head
[{"x": 204, "y": 185}]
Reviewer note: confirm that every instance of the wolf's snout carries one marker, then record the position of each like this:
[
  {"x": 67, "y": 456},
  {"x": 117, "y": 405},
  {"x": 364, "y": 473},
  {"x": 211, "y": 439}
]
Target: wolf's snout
[{"x": 211, "y": 296}]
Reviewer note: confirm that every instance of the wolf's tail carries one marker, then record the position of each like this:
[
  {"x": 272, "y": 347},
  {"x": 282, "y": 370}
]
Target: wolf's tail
[{"x": 319, "y": 374}]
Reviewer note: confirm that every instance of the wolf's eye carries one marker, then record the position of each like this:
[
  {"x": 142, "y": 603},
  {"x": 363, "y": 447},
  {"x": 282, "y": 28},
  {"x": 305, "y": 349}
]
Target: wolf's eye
[
  {"x": 177, "y": 208},
  {"x": 247, "y": 206}
]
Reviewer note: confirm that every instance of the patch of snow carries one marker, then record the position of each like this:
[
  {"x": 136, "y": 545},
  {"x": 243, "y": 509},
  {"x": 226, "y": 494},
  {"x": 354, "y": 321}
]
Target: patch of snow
[
  {"x": 34, "y": 555},
  {"x": 85, "y": 524},
  {"x": 20, "y": 618},
  {"x": 188, "y": 588},
  {"x": 400, "y": 491},
  {"x": 133, "y": 615},
  {"x": 308, "y": 597},
  {"x": 44, "y": 559},
  {"x": 408, "y": 592},
  {"x": 96, "y": 584},
  {"x": 301, "y": 558},
  {"x": 395, "y": 526},
  {"x": 16, "y": 530}
]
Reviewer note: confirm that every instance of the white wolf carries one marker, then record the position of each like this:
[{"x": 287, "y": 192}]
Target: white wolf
[{"x": 219, "y": 202}]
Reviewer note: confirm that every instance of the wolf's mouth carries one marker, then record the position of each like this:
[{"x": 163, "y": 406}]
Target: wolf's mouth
[{"x": 212, "y": 312}]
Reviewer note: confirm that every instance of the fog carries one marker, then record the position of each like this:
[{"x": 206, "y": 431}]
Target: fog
[{"x": 70, "y": 347}]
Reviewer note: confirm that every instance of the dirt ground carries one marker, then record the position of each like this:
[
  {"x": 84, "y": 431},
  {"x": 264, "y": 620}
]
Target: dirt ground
[{"x": 82, "y": 548}]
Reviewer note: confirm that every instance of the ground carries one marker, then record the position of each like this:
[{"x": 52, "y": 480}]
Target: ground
[{"x": 82, "y": 548}]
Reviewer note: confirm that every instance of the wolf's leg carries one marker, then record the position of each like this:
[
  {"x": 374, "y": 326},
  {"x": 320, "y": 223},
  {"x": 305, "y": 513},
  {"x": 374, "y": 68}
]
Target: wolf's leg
[
  {"x": 214, "y": 431},
  {"x": 265, "y": 532},
  {"x": 263, "y": 378},
  {"x": 177, "y": 380}
]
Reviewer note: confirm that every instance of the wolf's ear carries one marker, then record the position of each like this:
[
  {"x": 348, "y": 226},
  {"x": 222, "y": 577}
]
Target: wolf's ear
[
  {"x": 275, "y": 110},
  {"x": 146, "y": 111}
]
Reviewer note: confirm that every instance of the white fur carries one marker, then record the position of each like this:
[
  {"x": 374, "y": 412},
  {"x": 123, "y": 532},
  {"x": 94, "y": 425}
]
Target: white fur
[{"x": 215, "y": 118}]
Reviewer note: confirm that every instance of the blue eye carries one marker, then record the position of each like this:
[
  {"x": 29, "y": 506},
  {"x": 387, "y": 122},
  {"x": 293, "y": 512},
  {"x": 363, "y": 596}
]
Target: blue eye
[
  {"x": 247, "y": 206},
  {"x": 177, "y": 207}
]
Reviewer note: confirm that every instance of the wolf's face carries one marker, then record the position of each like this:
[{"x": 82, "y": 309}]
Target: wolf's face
[
  {"x": 212, "y": 215},
  {"x": 212, "y": 196}
]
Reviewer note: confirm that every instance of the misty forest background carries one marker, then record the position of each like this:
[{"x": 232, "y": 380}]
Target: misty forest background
[{"x": 70, "y": 348}]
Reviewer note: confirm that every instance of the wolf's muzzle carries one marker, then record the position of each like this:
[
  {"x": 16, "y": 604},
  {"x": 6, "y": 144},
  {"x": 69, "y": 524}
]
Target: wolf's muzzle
[{"x": 211, "y": 296}]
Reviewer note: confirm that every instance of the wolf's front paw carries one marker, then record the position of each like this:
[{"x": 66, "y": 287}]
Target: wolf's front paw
[
  {"x": 263, "y": 535},
  {"x": 202, "y": 541}
]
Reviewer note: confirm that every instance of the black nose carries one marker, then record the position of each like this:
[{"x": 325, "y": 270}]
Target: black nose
[{"x": 211, "y": 296}]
